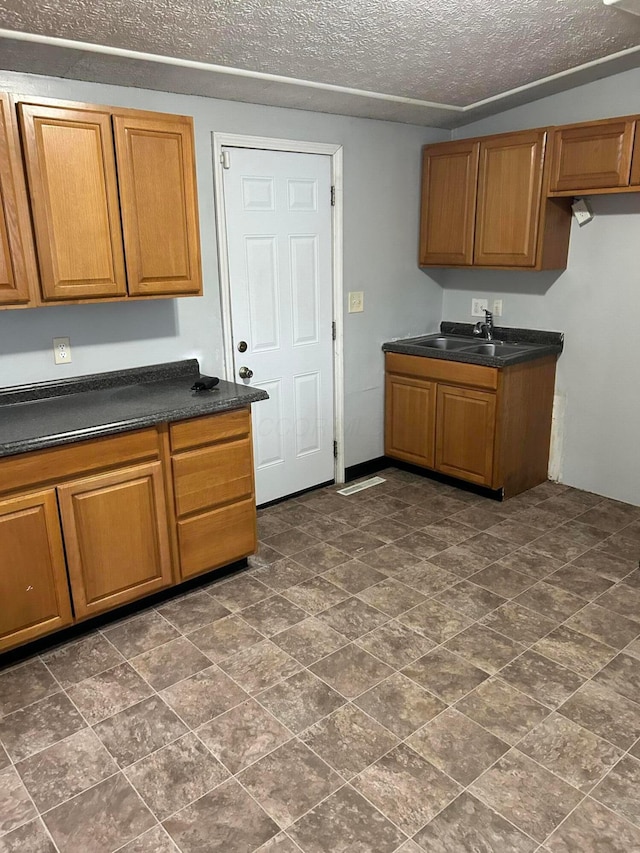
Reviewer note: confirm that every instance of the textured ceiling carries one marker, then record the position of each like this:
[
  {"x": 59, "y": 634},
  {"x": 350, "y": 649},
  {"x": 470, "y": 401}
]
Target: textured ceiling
[{"x": 447, "y": 52}]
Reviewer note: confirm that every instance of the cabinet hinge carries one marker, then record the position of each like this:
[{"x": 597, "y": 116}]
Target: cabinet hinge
[
  {"x": 333, "y": 196},
  {"x": 335, "y": 449},
  {"x": 333, "y": 330},
  {"x": 225, "y": 159}
]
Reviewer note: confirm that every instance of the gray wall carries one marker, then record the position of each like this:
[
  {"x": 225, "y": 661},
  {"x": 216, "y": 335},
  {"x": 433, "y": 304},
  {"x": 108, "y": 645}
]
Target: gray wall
[
  {"x": 381, "y": 202},
  {"x": 597, "y": 297}
]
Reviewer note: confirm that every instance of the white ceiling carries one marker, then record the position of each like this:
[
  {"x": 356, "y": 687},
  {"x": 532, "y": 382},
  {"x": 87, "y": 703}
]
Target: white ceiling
[{"x": 432, "y": 62}]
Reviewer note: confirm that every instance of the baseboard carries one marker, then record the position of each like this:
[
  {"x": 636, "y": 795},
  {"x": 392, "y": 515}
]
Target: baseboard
[
  {"x": 494, "y": 494},
  {"x": 363, "y": 469}
]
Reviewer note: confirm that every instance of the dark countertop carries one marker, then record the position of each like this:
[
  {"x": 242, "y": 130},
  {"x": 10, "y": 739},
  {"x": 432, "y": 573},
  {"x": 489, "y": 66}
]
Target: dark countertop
[
  {"x": 531, "y": 344},
  {"x": 47, "y": 414}
]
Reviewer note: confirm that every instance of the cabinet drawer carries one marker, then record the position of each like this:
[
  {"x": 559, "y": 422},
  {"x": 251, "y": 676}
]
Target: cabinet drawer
[
  {"x": 213, "y": 475},
  {"x": 56, "y": 464},
  {"x": 217, "y": 537},
  {"x": 209, "y": 429},
  {"x": 442, "y": 371}
]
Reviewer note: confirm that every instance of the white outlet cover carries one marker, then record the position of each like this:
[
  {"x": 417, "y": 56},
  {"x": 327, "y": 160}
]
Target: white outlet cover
[{"x": 478, "y": 307}]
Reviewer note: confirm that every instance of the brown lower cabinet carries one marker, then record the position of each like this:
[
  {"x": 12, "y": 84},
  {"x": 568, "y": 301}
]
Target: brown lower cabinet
[
  {"x": 485, "y": 425},
  {"x": 91, "y": 526}
]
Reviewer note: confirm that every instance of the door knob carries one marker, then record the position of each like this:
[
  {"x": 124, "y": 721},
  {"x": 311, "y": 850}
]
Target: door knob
[{"x": 245, "y": 373}]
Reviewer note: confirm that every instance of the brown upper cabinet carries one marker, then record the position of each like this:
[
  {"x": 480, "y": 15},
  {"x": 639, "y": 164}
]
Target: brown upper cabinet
[
  {"x": 595, "y": 157},
  {"x": 114, "y": 202},
  {"x": 18, "y": 275},
  {"x": 484, "y": 205}
]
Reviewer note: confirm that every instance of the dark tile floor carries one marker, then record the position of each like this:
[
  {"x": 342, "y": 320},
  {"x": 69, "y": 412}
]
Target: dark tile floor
[{"x": 411, "y": 668}]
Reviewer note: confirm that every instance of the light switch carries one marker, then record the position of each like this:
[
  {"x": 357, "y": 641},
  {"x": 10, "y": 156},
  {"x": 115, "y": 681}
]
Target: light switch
[{"x": 356, "y": 301}]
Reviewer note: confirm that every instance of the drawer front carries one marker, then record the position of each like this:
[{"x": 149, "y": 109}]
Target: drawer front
[
  {"x": 440, "y": 370},
  {"x": 216, "y": 538},
  {"x": 213, "y": 475},
  {"x": 57, "y": 464},
  {"x": 209, "y": 429}
]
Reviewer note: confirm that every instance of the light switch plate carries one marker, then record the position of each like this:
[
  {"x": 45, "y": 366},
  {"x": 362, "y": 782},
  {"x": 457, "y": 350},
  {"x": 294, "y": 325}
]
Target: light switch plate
[{"x": 356, "y": 301}]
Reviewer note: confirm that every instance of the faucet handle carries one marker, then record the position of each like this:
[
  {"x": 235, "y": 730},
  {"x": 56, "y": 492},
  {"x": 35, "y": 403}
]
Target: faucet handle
[{"x": 488, "y": 315}]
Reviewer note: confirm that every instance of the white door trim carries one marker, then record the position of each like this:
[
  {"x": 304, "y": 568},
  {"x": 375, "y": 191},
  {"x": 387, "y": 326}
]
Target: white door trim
[{"x": 238, "y": 140}]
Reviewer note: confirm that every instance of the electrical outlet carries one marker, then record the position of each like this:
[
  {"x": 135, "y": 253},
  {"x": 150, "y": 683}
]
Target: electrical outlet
[
  {"x": 497, "y": 307},
  {"x": 478, "y": 307},
  {"x": 356, "y": 301},
  {"x": 582, "y": 211},
  {"x": 61, "y": 351}
]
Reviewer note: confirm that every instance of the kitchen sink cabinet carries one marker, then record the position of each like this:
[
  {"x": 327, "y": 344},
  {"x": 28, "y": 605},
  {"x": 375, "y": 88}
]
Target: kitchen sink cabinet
[
  {"x": 465, "y": 433},
  {"x": 114, "y": 202},
  {"x": 484, "y": 205},
  {"x": 18, "y": 275},
  {"x": 34, "y": 592},
  {"x": 93, "y": 525},
  {"x": 410, "y": 413},
  {"x": 593, "y": 157},
  {"x": 488, "y": 426}
]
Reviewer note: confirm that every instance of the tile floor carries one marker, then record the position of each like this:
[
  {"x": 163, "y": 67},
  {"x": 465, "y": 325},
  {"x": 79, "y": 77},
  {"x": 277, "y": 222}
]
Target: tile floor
[{"x": 412, "y": 668}]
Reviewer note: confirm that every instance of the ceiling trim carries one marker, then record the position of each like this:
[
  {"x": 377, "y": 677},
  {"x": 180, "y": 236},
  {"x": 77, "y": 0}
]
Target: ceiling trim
[{"x": 195, "y": 65}]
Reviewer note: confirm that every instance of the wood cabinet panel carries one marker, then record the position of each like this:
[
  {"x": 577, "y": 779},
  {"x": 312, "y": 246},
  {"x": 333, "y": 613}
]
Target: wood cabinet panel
[
  {"x": 216, "y": 538},
  {"x": 74, "y": 197},
  {"x": 449, "y": 184},
  {"x": 441, "y": 370},
  {"x": 509, "y": 199},
  {"x": 209, "y": 429},
  {"x": 591, "y": 156},
  {"x": 410, "y": 413},
  {"x": 34, "y": 593},
  {"x": 156, "y": 172},
  {"x": 211, "y": 476},
  {"x": 634, "y": 180},
  {"x": 59, "y": 463},
  {"x": 18, "y": 277},
  {"x": 465, "y": 433},
  {"x": 116, "y": 534}
]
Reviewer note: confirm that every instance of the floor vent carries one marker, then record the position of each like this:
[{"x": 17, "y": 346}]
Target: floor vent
[{"x": 358, "y": 487}]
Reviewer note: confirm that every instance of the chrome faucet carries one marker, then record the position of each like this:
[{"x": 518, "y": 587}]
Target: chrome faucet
[{"x": 485, "y": 329}]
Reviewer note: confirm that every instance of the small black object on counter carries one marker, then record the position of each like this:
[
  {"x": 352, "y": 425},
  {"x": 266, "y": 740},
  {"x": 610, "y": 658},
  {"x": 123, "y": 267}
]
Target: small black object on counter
[{"x": 205, "y": 383}]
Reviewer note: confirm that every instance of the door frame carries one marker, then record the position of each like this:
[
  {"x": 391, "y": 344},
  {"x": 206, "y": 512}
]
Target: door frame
[{"x": 296, "y": 146}]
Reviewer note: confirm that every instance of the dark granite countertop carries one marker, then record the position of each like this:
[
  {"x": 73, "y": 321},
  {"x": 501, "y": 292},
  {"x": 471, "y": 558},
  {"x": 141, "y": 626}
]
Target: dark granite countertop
[
  {"x": 47, "y": 414},
  {"x": 520, "y": 345}
]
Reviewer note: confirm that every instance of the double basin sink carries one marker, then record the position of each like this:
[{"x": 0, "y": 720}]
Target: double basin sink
[{"x": 467, "y": 345}]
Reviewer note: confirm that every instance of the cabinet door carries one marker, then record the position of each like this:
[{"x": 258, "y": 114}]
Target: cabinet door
[
  {"x": 34, "y": 593},
  {"x": 17, "y": 261},
  {"x": 116, "y": 534},
  {"x": 509, "y": 199},
  {"x": 591, "y": 156},
  {"x": 410, "y": 419},
  {"x": 74, "y": 196},
  {"x": 635, "y": 163},
  {"x": 465, "y": 433},
  {"x": 448, "y": 209},
  {"x": 156, "y": 171}
]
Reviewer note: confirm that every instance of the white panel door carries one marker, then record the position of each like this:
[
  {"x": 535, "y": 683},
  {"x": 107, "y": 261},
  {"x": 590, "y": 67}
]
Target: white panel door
[{"x": 278, "y": 221}]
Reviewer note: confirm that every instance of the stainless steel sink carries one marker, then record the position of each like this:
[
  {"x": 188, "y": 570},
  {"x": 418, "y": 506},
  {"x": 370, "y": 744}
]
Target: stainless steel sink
[{"x": 441, "y": 342}]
